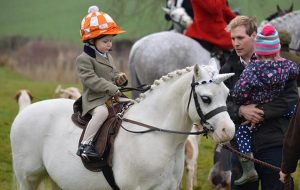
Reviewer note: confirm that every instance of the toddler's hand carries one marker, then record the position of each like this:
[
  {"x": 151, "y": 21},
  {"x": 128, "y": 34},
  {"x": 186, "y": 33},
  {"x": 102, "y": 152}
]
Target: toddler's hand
[{"x": 117, "y": 95}]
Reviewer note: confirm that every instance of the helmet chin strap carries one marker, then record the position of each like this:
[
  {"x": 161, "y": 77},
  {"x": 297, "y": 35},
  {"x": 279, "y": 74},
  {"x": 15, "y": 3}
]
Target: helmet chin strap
[{"x": 92, "y": 42}]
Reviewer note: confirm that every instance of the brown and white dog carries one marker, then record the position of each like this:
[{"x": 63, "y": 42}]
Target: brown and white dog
[
  {"x": 220, "y": 174},
  {"x": 69, "y": 93},
  {"x": 191, "y": 158},
  {"x": 24, "y": 98}
]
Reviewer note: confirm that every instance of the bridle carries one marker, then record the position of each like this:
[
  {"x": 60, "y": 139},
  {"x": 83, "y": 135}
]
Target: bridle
[
  {"x": 181, "y": 23},
  {"x": 203, "y": 118},
  {"x": 207, "y": 127}
]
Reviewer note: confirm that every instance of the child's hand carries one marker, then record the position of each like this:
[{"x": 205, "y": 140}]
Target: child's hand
[
  {"x": 121, "y": 79},
  {"x": 117, "y": 95}
]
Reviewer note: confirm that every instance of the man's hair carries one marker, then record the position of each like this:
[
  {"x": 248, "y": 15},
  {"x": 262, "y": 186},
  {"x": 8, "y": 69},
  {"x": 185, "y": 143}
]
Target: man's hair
[{"x": 248, "y": 22}]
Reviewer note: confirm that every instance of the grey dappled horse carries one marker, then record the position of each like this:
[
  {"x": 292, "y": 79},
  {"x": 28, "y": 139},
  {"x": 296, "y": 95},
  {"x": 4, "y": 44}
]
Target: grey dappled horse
[
  {"x": 157, "y": 54},
  {"x": 180, "y": 13},
  {"x": 291, "y": 23}
]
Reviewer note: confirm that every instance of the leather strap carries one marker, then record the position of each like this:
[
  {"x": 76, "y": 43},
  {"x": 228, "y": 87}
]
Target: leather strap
[{"x": 109, "y": 176}]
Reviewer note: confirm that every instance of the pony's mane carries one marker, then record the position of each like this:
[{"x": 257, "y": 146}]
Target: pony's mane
[
  {"x": 285, "y": 17},
  {"x": 163, "y": 79}
]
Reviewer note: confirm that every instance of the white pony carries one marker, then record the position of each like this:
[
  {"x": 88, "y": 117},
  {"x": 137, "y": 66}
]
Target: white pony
[{"x": 44, "y": 139}]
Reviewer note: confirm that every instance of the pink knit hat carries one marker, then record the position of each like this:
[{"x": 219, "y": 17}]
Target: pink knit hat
[{"x": 267, "y": 41}]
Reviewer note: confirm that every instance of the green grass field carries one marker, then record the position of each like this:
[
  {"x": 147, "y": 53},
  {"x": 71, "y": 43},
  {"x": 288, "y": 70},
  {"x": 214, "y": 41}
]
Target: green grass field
[{"x": 60, "y": 20}]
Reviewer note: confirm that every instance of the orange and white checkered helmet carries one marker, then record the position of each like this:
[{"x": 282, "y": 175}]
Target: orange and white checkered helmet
[{"x": 97, "y": 23}]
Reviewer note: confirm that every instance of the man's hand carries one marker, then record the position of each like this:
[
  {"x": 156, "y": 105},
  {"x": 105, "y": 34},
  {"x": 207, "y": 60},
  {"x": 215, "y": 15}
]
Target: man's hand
[
  {"x": 251, "y": 113},
  {"x": 282, "y": 176},
  {"x": 121, "y": 79}
]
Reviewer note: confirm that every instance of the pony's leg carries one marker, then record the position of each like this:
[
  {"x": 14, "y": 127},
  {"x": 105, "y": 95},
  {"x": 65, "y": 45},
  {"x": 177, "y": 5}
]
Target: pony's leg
[
  {"x": 29, "y": 183},
  {"x": 195, "y": 180},
  {"x": 29, "y": 178},
  {"x": 189, "y": 178}
]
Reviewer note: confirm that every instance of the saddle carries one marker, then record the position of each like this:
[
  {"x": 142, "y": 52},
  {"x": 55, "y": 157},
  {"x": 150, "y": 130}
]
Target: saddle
[
  {"x": 215, "y": 52},
  {"x": 104, "y": 138}
]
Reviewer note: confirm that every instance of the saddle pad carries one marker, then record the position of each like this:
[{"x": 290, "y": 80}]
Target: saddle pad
[{"x": 104, "y": 138}]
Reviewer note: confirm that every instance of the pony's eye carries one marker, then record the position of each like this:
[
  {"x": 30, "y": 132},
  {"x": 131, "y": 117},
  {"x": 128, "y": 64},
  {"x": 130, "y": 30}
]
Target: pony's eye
[{"x": 206, "y": 99}]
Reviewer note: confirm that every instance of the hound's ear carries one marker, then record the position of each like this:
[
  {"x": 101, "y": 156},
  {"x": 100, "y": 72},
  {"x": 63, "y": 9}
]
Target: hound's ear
[
  {"x": 30, "y": 95},
  {"x": 17, "y": 95}
]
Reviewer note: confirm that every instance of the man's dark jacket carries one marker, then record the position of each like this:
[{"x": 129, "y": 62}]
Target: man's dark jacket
[
  {"x": 291, "y": 146},
  {"x": 271, "y": 132}
]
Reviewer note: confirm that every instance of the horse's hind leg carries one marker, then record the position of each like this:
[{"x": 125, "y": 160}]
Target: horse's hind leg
[
  {"x": 29, "y": 183},
  {"x": 29, "y": 180}
]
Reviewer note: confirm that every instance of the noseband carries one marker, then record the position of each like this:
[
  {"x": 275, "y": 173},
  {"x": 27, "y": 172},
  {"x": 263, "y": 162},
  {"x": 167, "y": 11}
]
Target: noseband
[{"x": 203, "y": 118}]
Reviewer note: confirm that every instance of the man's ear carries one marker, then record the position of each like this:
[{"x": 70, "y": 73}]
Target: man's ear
[{"x": 253, "y": 35}]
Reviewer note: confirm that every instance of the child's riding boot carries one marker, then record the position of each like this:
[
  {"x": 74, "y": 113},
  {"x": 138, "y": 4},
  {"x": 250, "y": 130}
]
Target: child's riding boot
[
  {"x": 249, "y": 172},
  {"x": 89, "y": 152},
  {"x": 80, "y": 149}
]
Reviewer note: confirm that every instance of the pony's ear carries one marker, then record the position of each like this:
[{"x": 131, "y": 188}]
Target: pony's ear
[
  {"x": 215, "y": 64},
  {"x": 279, "y": 10},
  {"x": 291, "y": 8},
  {"x": 198, "y": 72},
  {"x": 167, "y": 10}
]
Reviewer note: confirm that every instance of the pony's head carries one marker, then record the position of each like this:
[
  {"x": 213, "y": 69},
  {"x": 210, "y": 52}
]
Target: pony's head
[
  {"x": 179, "y": 17},
  {"x": 207, "y": 101},
  {"x": 280, "y": 12}
]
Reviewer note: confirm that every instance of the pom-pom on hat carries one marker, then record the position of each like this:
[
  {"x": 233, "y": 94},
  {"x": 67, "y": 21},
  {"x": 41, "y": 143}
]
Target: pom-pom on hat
[
  {"x": 267, "y": 41},
  {"x": 97, "y": 23}
]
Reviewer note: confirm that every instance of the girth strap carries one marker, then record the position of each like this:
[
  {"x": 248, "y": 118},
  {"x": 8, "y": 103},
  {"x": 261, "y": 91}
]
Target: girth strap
[{"x": 109, "y": 176}]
